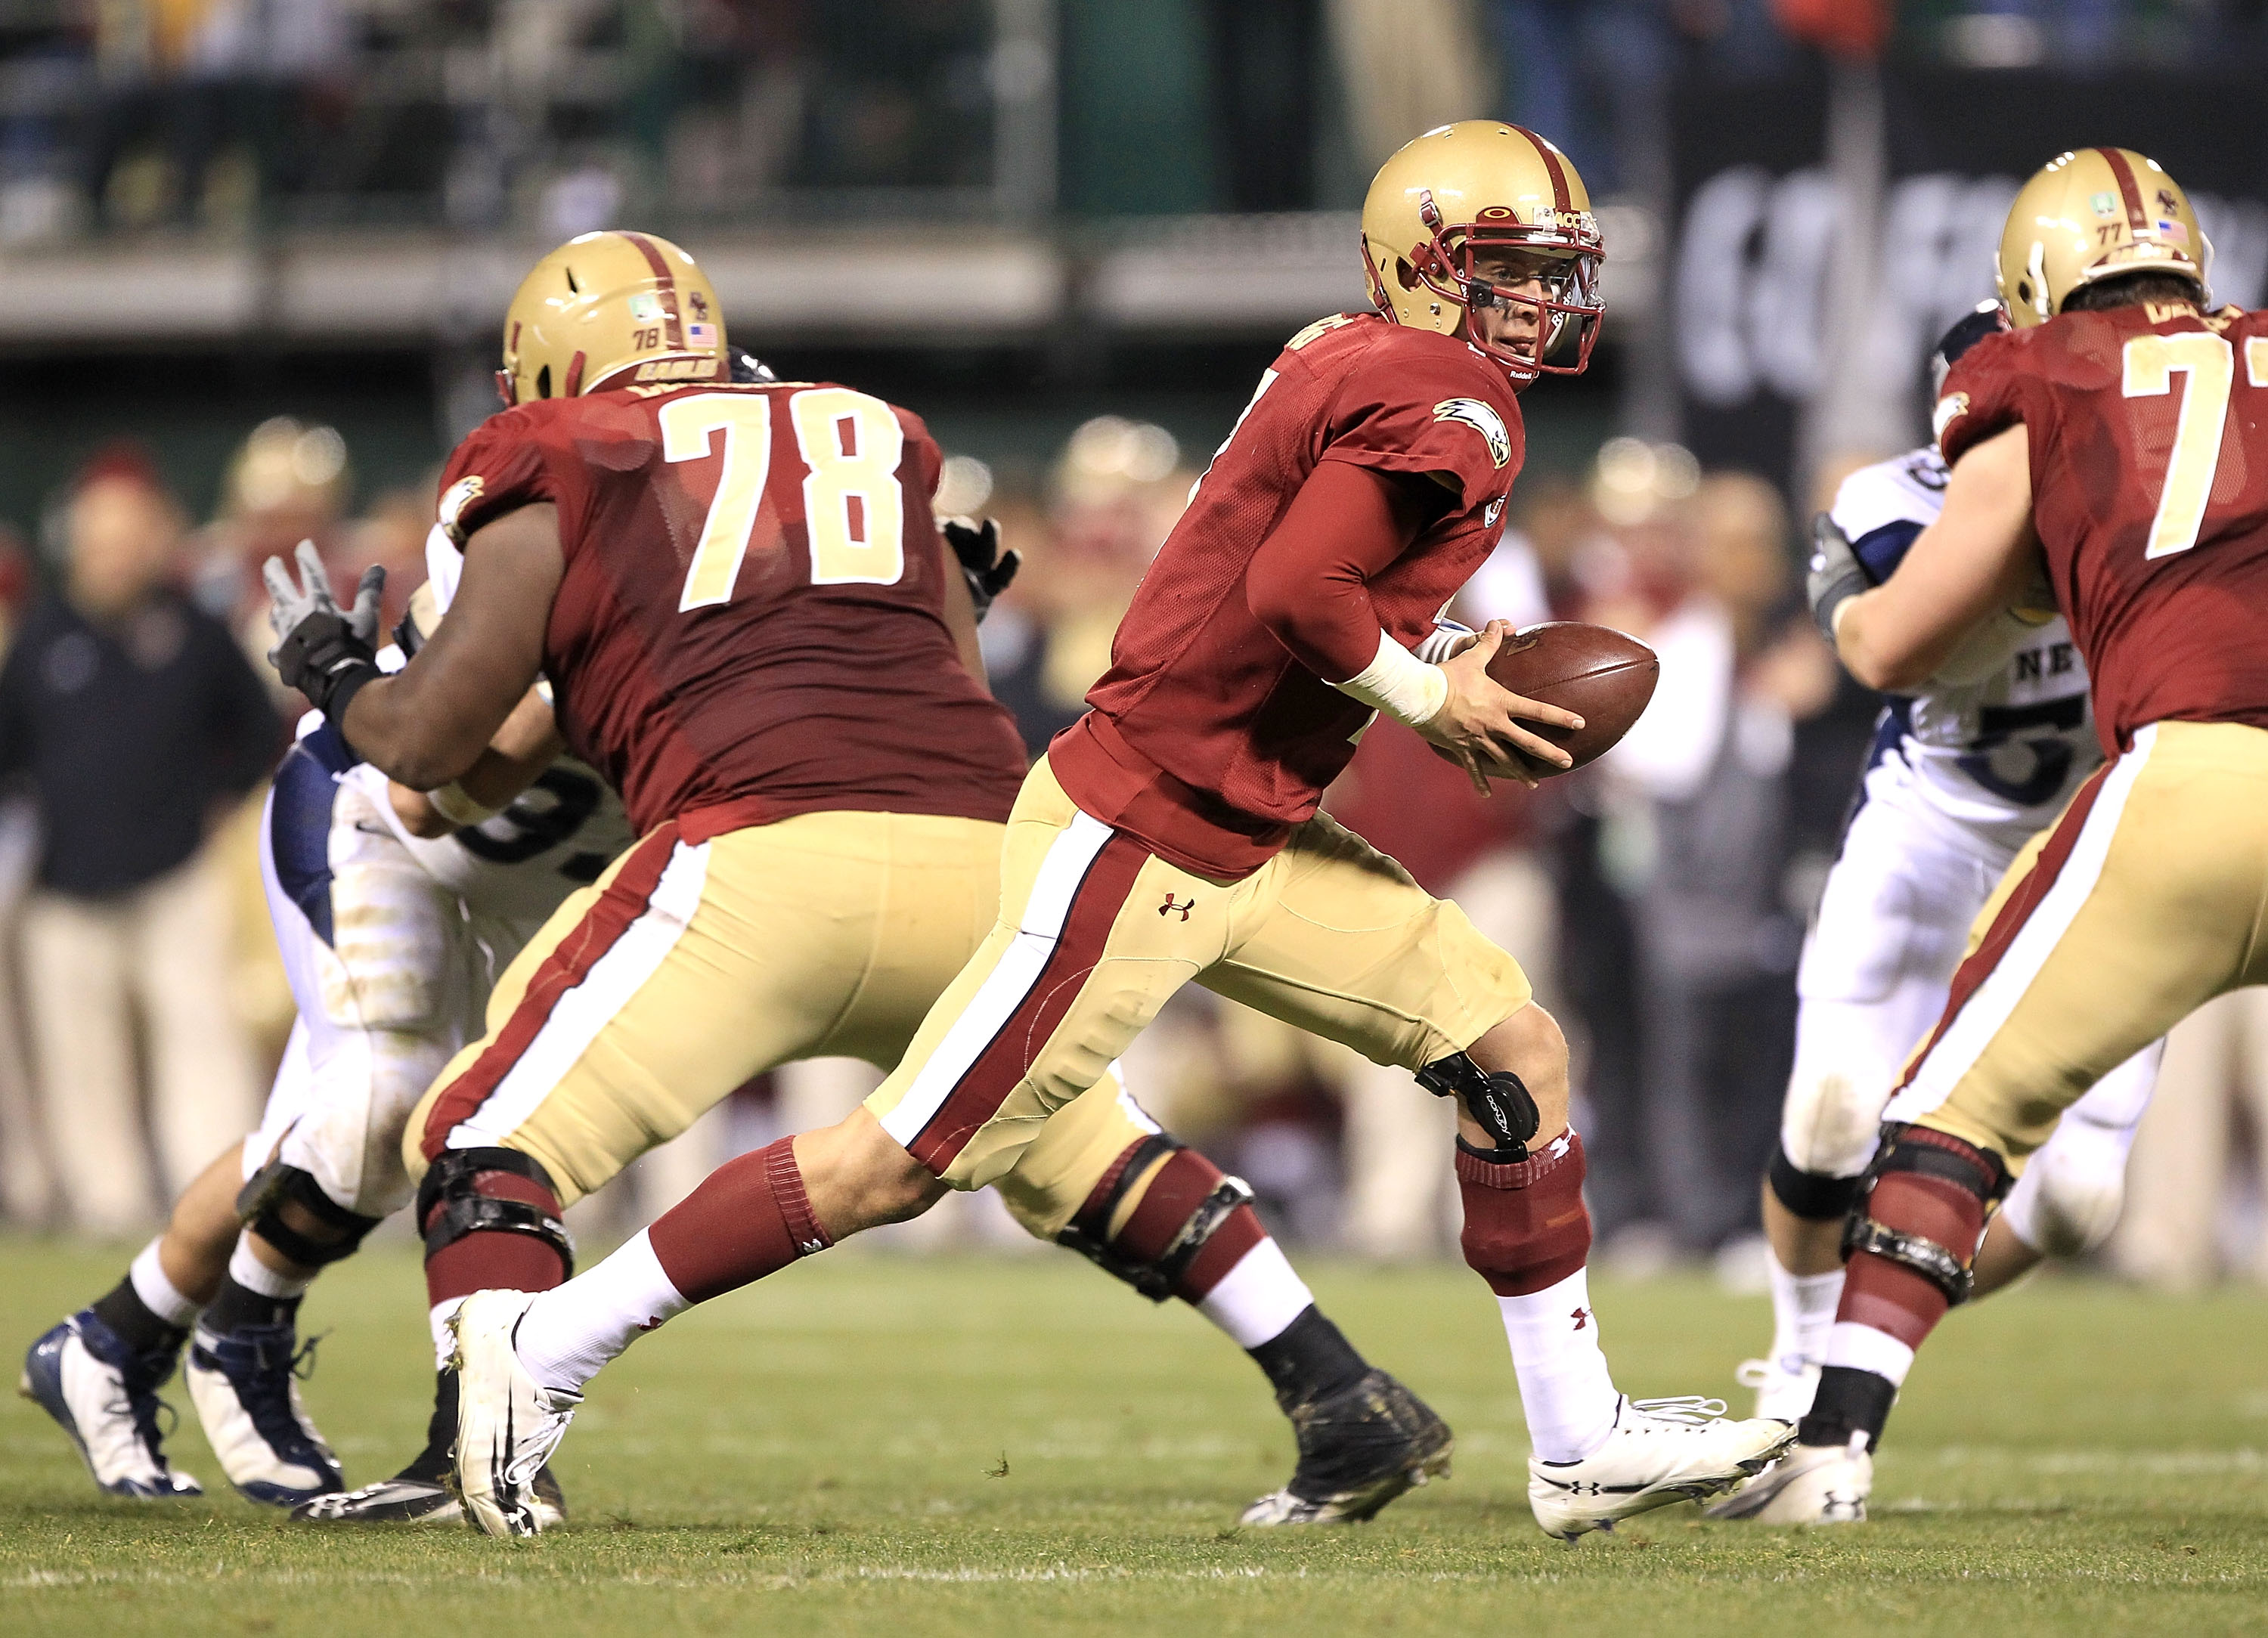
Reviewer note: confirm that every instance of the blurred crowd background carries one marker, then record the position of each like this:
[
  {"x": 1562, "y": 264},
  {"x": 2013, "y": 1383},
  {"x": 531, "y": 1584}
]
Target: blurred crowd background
[{"x": 252, "y": 257}]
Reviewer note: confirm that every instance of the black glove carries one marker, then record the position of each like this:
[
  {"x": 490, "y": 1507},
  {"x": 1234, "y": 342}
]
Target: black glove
[
  {"x": 1837, "y": 575},
  {"x": 987, "y": 568},
  {"x": 326, "y": 653}
]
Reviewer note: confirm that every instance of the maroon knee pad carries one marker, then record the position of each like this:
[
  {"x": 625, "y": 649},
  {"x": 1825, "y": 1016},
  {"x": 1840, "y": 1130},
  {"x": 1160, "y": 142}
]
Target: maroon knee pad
[
  {"x": 749, "y": 1217},
  {"x": 1526, "y": 1226}
]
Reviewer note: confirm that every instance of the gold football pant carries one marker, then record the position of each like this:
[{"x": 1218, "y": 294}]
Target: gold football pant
[
  {"x": 1095, "y": 932},
  {"x": 2145, "y": 900},
  {"x": 687, "y": 969}
]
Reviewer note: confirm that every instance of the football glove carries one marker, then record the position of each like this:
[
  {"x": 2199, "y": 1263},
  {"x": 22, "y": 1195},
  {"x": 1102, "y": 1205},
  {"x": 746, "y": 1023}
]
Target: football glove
[
  {"x": 326, "y": 652},
  {"x": 987, "y": 568},
  {"x": 1837, "y": 575}
]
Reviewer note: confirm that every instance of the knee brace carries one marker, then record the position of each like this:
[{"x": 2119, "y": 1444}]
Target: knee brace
[
  {"x": 1815, "y": 1197},
  {"x": 456, "y": 1200},
  {"x": 1152, "y": 1262},
  {"x": 260, "y": 1205},
  {"x": 1498, "y": 1099},
  {"x": 1942, "y": 1190}
]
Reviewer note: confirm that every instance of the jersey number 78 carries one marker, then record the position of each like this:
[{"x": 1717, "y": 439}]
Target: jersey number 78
[
  {"x": 2147, "y": 367},
  {"x": 853, "y": 508}
]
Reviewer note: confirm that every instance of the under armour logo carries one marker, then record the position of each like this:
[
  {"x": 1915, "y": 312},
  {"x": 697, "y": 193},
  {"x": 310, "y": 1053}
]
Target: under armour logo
[
  {"x": 1581, "y": 1317},
  {"x": 1183, "y": 908},
  {"x": 700, "y": 304}
]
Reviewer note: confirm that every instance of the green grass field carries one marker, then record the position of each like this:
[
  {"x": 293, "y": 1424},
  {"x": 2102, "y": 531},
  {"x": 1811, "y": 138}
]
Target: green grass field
[{"x": 868, "y": 1444}]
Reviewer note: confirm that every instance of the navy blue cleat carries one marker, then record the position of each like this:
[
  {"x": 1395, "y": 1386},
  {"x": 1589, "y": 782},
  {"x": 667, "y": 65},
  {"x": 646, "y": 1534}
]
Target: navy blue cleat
[
  {"x": 106, "y": 1398},
  {"x": 245, "y": 1384}
]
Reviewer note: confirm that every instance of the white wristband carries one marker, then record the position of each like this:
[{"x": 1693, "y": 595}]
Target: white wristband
[
  {"x": 1398, "y": 683},
  {"x": 452, "y": 804}
]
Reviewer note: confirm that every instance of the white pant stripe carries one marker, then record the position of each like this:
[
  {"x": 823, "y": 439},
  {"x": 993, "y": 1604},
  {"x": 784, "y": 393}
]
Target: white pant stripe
[
  {"x": 579, "y": 1014},
  {"x": 1990, "y": 1005},
  {"x": 1010, "y": 981}
]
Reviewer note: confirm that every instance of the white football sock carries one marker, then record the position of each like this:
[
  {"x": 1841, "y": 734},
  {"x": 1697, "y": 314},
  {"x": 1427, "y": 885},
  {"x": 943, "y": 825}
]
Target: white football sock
[
  {"x": 1256, "y": 1299},
  {"x": 1862, "y": 1348},
  {"x": 1565, "y": 1387},
  {"x": 156, "y": 1292},
  {"x": 246, "y": 1269},
  {"x": 569, "y": 1334},
  {"x": 1803, "y": 1308}
]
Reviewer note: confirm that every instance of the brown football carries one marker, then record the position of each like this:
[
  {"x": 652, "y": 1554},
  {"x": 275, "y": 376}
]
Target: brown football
[{"x": 1600, "y": 674}]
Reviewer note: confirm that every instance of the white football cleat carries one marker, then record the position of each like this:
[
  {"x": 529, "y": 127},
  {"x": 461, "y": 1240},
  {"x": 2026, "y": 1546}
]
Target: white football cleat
[
  {"x": 1660, "y": 1452},
  {"x": 245, "y": 1387},
  {"x": 1813, "y": 1484},
  {"x": 1783, "y": 1384},
  {"x": 81, "y": 1374},
  {"x": 508, "y": 1424}
]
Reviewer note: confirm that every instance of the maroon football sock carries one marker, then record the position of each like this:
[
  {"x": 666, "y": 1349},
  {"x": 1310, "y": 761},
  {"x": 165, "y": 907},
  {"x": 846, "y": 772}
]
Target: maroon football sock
[
  {"x": 1889, "y": 1295},
  {"x": 1179, "y": 1185},
  {"x": 750, "y": 1217},
  {"x": 490, "y": 1260},
  {"x": 1526, "y": 1228}
]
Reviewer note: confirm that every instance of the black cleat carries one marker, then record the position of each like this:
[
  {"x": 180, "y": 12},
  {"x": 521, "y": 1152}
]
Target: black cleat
[{"x": 1359, "y": 1448}]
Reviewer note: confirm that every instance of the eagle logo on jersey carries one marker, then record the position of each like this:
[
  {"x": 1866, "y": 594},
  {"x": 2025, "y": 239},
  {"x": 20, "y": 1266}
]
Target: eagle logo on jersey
[
  {"x": 454, "y": 499},
  {"x": 1482, "y": 419},
  {"x": 1950, "y": 408}
]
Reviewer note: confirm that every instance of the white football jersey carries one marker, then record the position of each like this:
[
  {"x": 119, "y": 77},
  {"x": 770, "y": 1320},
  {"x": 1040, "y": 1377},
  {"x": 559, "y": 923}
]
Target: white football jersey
[
  {"x": 559, "y": 834},
  {"x": 2005, "y": 752}
]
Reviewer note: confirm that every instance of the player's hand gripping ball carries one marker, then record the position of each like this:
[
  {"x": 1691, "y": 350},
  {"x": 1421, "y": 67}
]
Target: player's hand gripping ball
[{"x": 1601, "y": 675}]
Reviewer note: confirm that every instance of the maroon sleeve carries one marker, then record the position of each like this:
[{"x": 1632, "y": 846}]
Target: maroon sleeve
[
  {"x": 1397, "y": 412},
  {"x": 1985, "y": 394},
  {"x": 1307, "y": 582},
  {"x": 498, "y": 469},
  {"x": 923, "y": 465}
]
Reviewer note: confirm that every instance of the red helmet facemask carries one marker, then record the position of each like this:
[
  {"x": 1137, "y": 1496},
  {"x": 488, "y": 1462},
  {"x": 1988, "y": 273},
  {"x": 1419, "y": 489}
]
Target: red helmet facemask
[{"x": 1445, "y": 265}]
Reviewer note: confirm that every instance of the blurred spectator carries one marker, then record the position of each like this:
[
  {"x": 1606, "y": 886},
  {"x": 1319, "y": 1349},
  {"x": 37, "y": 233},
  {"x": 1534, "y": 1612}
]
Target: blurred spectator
[
  {"x": 138, "y": 724},
  {"x": 289, "y": 482},
  {"x": 1719, "y": 937},
  {"x": 2188, "y": 1167},
  {"x": 1116, "y": 495},
  {"x": 184, "y": 85}
]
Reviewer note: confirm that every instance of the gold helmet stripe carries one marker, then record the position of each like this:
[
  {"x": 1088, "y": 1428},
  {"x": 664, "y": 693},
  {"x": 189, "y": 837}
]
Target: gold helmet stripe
[
  {"x": 2138, "y": 220},
  {"x": 1558, "y": 172},
  {"x": 668, "y": 282}
]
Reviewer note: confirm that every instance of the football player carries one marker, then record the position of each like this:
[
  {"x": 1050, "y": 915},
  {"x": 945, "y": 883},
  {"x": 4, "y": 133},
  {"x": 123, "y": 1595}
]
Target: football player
[
  {"x": 2115, "y": 440},
  {"x": 1961, "y": 774},
  {"x": 1171, "y": 834},
  {"x": 392, "y": 918},
  {"x": 753, "y": 630}
]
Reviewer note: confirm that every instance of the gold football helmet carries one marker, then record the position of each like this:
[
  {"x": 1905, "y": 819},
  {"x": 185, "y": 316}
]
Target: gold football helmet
[
  {"x": 607, "y": 305},
  {"x": 2092, "y": 214},
  {"x": 1465, "y": 189}
]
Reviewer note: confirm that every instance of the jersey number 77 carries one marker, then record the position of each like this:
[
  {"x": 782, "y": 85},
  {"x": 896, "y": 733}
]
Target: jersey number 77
[
  {"x": 2147, "y": 367},
  {"x": 853, "y": 508}
]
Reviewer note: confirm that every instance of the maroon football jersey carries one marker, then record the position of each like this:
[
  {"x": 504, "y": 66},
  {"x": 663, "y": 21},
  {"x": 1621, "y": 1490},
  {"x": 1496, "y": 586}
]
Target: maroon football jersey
[
  {"x": 1208, "y": 740},
  {"x": 2148, "y": 432},
  {"x": 751, "y": 623}
]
